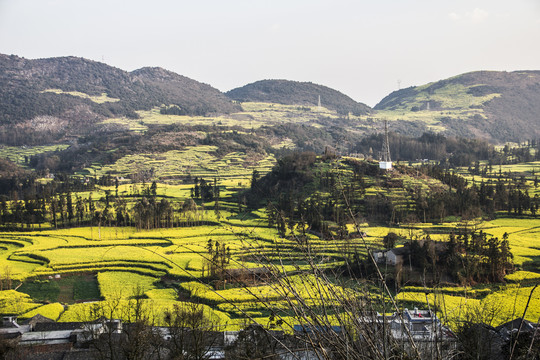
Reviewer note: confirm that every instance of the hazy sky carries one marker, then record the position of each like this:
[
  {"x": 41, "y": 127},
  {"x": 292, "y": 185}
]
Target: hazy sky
[{"x": 361, "y": 48}]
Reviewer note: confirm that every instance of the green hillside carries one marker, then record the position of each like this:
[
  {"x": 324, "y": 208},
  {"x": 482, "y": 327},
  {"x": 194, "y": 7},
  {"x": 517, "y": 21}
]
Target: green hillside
[{"x": 498, "y": 106}]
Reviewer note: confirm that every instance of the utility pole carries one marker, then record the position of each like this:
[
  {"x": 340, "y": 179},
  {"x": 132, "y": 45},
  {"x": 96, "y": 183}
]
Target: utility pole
[{"x": 386, "y": 162}]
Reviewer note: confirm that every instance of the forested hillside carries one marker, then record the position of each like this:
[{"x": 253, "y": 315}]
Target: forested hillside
[{"x": 46, "y": 99}]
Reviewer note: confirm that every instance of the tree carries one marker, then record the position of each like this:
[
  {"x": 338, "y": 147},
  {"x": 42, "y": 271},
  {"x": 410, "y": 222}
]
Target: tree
[
  {"x": 196, "y": 189},
  {"x": 254, "y": 342},
  {"x": 54, "y": 209},
  {"x": 69, "y": 204},
  {"x": 191, "y": 332},
  {"x": 79, "y": 209},
  {"x": 9, "y": 349},
  {"x": 254, "y": 179},
  {"x": 153, "y": 189},
  {"x": 219, "y": 256},
  {"x": 216, "y": 199},
  {"x": 389, "y": 240},
  {"x": 136, "y": 339},
  {"x": 5, "y": 279}
]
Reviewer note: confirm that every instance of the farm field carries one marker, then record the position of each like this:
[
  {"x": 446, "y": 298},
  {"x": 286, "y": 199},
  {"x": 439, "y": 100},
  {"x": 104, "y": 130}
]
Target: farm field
[
  {"x": 169, "y": 266},
  {"x": 525, "y": 174},
  {"x": 455, "y": 100},
  {"x": 228, "y": 257},
  {"x": 254, "y": 115},
  {"x": 130, "y": 260},
  {"x": 197, "y": 161},
  {"x": 103, "y": 98},
  {"x": 19, "y": 154}
]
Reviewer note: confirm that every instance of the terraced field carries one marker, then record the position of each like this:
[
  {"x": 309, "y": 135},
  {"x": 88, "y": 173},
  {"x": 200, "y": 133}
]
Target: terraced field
[
  {"x": 513, "y": 173},
  {"x": 254, "y": 115},
  {"x": 170, "y": 266},
  {"x": 197, "y": 161},
  {"x": 64, "y": 273},
  {"x": 128, "y": 259},
  {"x": 103, "y": 98},
  {"x": 20, "y": 154}
]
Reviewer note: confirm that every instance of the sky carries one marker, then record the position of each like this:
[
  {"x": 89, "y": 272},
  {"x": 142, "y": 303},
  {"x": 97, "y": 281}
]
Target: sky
[{"x": 365, "y": 49}]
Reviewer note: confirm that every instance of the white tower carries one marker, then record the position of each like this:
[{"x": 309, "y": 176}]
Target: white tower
[{"x": 385, "y": 163}]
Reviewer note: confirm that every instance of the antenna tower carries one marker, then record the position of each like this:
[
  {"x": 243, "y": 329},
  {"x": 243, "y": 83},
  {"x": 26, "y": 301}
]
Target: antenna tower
[{"x": 386, "y": 161}]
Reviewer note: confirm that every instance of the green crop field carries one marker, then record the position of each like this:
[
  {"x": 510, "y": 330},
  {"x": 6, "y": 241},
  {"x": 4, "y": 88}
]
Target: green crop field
[
  {"x": 196, "y": 161},
  {"x": 454, "y": 101},
  {"x": 499, "y": 306},
  {"x": 19, "y": 154},
  {"x": 54, "y": 270},
  {"x": 128, "y": 261},
  {"x": 254, "y": 115}
]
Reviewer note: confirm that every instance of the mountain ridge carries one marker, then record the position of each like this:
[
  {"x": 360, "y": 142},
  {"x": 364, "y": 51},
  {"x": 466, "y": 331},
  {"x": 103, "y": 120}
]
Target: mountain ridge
[
  {"x": 497, "y": 105},
  {"x": 58, "y": 98},
  {"x": 289, "y": 92},
  {"x": 94, "y": 78}
]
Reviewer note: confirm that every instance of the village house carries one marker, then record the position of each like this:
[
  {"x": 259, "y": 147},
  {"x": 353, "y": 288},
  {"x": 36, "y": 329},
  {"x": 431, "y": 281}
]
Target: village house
[{"x": 401, "y": 254}]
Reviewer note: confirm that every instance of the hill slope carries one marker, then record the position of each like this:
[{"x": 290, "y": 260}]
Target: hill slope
[
  {"x": 56, "y": 95},
  {"x": 192, "y": 96},
  {"x": 298, "y": 93},
  {"x": 500, "y": 106},
  {"x": 58, "y": 99}
]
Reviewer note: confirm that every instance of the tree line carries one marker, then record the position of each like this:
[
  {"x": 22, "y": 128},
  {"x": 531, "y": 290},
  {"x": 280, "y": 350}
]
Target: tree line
[
  {"x": 448, "y": 151},
  {"x": 305, "y": 190},
  {"x": 59, "y": 204},
  {"x": 468, "y": 258}
]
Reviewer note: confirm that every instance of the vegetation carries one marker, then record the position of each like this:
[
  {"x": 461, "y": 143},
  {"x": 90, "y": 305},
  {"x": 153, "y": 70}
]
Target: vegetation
[
  {"x": 203, "y": 242},
  {"x": 201, "y": 215},
  {"x": 486, "y": 101},
  {"x": 297, "y": 93},
  {"x": 63, "y": 98}
]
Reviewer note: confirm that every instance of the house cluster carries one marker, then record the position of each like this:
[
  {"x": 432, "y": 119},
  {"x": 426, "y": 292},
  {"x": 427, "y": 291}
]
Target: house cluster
[
  {"x": 426, "y": 330},
  {"x": 40, "y": 338},
  {"x": 391, "y": 257},
  {"x": 401, "y": 254},
  {"x": 43, "y": 338}
]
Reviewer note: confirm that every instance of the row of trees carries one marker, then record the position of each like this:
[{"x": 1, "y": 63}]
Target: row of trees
[
  {"x": 204, "y": 190},
  {"x": 448, "y": 151},
  {"x": 142, "y": 209},
  {"x": 464, "y": 198},
  {"x": 219, "y": 255}
]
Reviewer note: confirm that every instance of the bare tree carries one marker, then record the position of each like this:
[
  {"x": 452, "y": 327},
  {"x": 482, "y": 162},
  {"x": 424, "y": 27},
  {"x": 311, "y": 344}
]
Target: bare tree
[
  {"x": 133, "y": 339},
  {"x": 192, "y": 332},
  {"x": 254, "y": 342}
]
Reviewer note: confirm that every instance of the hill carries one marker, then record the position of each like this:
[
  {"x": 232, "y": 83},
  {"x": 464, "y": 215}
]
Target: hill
[
  {"x": 298, "y": 93},
  {"x": 498, "y": 106},
  {"x": 61, "y": 100},
  {"x": 62, "y": 96},
  {"x": 191, "y": 96}
]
